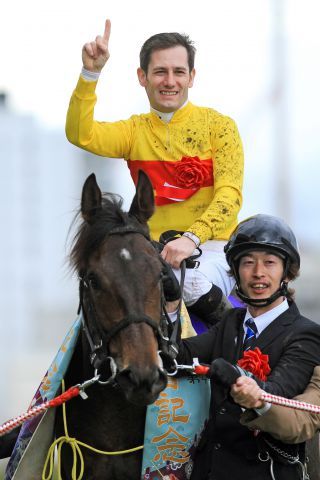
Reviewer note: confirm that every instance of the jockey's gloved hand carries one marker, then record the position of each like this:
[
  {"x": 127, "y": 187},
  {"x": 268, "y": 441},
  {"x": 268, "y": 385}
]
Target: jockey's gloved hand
[
  {"x": 224, "y": 372},
  {"x": 171, "y": 287}
]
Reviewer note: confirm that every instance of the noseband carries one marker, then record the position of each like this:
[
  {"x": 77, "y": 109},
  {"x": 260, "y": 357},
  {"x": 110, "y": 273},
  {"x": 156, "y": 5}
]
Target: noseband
[{"x": 99, "y": 340}]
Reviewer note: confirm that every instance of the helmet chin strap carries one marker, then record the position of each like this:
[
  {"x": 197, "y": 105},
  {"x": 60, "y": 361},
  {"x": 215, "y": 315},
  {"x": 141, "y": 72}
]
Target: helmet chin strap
[{"x": 263, "y": 302}]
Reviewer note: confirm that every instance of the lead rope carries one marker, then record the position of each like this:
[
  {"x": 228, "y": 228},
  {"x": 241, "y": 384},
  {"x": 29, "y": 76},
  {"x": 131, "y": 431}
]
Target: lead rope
[
  {"x": 196, "y": 368},
  {"x": 76, "y": 451},
  {"x": 35, "y": 411},
  {"x": 79, "y": 389}
]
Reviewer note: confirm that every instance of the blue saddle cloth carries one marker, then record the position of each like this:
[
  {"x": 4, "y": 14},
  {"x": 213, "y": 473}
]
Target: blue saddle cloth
[{"x": 36, "y": 434}]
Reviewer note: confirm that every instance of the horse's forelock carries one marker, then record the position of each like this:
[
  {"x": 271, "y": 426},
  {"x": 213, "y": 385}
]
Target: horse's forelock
[{"x": 90, "y": 236}]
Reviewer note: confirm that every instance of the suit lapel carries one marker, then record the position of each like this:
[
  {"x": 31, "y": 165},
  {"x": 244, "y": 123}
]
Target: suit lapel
[
  {"x": 233, "y": 337},
  {"x": 229, "y": 348}
]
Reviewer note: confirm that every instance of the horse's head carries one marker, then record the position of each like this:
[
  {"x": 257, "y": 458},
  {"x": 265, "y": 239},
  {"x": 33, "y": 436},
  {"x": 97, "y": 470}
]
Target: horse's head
[{"x": 120, "y": 287}]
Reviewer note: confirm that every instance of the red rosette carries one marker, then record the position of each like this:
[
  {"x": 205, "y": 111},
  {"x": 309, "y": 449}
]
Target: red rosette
[
  {"x": 255, "y": 362},
  {"x": 190, "y": 172}
]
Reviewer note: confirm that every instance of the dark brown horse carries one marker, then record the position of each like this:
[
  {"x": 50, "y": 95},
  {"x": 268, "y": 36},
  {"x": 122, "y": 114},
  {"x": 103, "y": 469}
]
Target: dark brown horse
[{"x": 120, "y": 296}]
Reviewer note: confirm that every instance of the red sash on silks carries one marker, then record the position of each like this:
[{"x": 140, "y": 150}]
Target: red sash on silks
[{"x": 174, "y": 181}]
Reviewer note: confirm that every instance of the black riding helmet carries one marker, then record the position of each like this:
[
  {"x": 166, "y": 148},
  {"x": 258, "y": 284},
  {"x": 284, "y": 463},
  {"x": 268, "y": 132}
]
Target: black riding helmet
[{"x": 267, "y": 233}]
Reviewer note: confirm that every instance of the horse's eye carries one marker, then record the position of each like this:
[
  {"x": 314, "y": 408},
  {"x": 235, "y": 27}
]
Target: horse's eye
[{"x": 93, "y": 281}]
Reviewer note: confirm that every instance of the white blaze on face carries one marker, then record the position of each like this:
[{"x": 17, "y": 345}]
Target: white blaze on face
[{"x": 125, "y": 255}]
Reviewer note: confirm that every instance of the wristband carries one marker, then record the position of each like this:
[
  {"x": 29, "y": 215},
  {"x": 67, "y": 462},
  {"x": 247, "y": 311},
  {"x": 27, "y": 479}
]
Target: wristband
[
  {"x": 193, "y": 237},
  {"x": 89, "y": 76}
]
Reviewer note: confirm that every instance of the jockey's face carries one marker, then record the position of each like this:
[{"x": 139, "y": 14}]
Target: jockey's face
[{"x": 168, "y": 78}]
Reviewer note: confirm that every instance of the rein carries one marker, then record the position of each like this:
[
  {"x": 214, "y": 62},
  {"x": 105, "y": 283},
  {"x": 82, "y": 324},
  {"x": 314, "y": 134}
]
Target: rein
[
  {"x": 175, "y": 327},
  {"x": 171, "y": 343}
]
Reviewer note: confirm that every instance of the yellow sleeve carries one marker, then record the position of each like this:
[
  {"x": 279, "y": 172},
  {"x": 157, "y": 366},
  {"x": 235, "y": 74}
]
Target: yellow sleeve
[
  {"x": 221, "y": 214},
  {"x": 108, "y": 139}
]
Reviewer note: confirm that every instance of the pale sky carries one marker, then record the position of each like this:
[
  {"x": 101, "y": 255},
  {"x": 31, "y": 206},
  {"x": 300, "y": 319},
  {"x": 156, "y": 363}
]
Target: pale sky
[{"x": 41, "y": 50}]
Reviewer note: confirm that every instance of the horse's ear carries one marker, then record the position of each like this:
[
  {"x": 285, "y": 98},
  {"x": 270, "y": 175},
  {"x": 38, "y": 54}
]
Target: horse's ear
[
  {"x": 91, "y": 198},
  {"x": 142, "y": 205}
]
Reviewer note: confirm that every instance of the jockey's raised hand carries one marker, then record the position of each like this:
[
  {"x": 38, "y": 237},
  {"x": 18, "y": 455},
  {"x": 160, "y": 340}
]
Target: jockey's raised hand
[{"x": 95, "y": 54}]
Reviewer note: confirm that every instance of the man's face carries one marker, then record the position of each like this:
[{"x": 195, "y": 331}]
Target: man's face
[
  {"x": 168, "y": 79},
  {"x": 261, "y": 275}
]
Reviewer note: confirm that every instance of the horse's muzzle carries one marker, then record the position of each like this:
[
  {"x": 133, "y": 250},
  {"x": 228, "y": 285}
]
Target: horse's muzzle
[{"x": 142, "y": 386}]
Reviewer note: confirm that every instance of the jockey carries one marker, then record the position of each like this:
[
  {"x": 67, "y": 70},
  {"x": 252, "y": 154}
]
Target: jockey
[
  {"x": 263, "y": 256},
  {"x": 192, "y": 155}
]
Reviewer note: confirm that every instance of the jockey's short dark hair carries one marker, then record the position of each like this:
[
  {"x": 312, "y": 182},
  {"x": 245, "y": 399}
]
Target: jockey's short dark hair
[{"x": 162, "y": 41}]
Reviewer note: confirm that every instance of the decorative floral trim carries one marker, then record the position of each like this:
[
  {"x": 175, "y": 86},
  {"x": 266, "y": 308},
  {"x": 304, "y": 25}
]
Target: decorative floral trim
[
  {"x": 255, "y": 362},
  {"x": 190, "y": 172}
]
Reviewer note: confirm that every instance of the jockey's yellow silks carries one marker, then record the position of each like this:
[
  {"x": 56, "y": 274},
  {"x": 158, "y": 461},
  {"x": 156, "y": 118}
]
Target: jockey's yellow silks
[{"x": 195, "y": 162}]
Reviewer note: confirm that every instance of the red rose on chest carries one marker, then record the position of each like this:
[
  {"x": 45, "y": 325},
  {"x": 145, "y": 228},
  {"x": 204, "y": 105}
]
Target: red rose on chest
[
  {"x": 190, "y": 172},
  {"x": 255, "y": 362}
]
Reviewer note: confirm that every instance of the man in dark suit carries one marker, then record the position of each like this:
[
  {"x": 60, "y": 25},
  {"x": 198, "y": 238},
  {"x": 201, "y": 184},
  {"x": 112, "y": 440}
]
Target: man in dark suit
[{"x": 263, "y": 256}]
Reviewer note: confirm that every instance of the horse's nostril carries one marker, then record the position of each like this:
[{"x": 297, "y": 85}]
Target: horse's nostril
[
  {"x": 135, "y": 378},
  {"x": 144, "y": 378},
  {"x": 126, "y": 379},
  {"x": 142, "y": 386}
]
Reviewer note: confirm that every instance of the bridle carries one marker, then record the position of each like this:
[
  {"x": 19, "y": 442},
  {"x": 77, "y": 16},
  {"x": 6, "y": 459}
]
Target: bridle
[{"x": 99, "y": 340}]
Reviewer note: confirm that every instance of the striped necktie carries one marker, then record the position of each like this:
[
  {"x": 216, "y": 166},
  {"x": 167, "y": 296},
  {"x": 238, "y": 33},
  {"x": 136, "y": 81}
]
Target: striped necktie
[{"x": 251, "y": 334}]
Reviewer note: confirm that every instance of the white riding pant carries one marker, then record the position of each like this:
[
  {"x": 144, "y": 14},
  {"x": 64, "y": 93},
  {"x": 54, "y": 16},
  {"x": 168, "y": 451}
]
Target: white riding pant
[{"x": 212, "y": 269}]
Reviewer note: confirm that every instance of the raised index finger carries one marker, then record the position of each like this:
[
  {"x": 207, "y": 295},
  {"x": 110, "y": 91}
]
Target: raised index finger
[{"x": 107, "y": 30}]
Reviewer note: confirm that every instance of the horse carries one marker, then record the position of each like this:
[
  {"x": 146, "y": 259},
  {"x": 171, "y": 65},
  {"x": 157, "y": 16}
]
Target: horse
[{"x": 120, "y": 287}]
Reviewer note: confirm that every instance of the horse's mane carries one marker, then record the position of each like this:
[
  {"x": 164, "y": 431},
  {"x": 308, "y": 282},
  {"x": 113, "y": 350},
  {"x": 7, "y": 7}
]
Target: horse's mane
[{"x": 90, "y": 235}]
